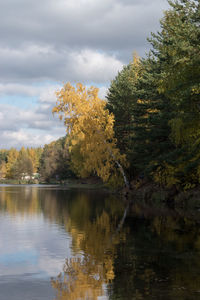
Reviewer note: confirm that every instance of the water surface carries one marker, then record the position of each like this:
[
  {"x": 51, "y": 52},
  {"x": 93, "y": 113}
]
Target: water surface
[{"x": 57, "y": 243}]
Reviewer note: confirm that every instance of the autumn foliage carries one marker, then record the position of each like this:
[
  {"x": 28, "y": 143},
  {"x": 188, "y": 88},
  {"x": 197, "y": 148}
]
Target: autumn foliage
[{"x": 90, "y": 133}]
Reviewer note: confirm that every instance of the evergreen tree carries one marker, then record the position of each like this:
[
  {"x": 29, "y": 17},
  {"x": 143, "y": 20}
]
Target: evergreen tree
[
  {"x": 152, "y": 113},
  {"x": 177, "y": 48},
  {"x": 121, "y": 99}
]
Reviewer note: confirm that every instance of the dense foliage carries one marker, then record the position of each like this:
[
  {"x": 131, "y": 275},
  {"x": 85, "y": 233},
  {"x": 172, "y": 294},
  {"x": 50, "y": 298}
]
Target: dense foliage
[
  {"x": 19, "y": 164},
  {"x": 55, "y": 162},
  {"x": 162, "y": 94}
]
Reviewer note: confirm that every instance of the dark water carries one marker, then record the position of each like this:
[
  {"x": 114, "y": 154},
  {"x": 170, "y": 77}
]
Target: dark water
[{"x": 66, "y": 244}]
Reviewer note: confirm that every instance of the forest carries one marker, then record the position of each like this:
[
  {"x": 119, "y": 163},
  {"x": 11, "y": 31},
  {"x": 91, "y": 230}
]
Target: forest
[{"x": 147, "y": 129}]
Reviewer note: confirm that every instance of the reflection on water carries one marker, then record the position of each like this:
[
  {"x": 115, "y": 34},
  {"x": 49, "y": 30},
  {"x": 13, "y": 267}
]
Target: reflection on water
[
  {"x": 64, "y": 244},
  {"x": 85, "y": 277}
]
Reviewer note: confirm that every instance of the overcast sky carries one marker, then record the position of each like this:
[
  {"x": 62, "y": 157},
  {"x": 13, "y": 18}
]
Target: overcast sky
[{"x": 46, "y": 43}]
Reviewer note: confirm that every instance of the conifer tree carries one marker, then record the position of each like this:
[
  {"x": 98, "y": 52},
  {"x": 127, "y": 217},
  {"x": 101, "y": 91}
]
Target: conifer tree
[
  {"x": 177, "y": 48},
  {"x": 152, "y": 113},
  {"x": 121, "y": 97}
]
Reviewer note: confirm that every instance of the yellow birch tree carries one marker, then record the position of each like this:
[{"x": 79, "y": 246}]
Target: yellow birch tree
[{"x": 89, "y": 127}]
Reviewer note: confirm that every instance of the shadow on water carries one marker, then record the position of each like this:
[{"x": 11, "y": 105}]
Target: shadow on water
[{"x": 154, "y": 255}]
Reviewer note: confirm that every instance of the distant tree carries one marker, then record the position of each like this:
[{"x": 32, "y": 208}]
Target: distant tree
[
  {"x": 34, "y": 154},
  {"x": 3, "y": 155},
  {"x": 54, "y": 161},
  {"x": 11, "y": 159},
  {"x": 2, "y": 169},
  {"x": 3, "y": 161},
  {"x": 23, "y": 165}
]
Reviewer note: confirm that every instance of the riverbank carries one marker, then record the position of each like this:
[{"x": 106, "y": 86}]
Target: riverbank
[
  {"x": 88, "y": 183},
  {"x": 150, "y": 193},
  {"x": 146, "y": 193}
]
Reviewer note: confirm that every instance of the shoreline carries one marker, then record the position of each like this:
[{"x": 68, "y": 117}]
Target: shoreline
[{"x": 148, "y": 193}]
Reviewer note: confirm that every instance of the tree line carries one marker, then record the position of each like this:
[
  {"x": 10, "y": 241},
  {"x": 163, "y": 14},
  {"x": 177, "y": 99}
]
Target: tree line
[
  {"x": 50, "y": 163},
  {"x": 19, "y": 164}
]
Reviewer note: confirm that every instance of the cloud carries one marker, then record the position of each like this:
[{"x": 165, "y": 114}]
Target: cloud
[
  {"x": 38, "y": 41},
  {"x": 29, "y": 127},
  {"x": 14, "y": 118},
  {"x": 61, "y": 22},
  {"x": 58, "y": 41},
  {"x": 94, "y": 66},
  {"x": 21, "y": 137},
  {"x": 39, "y": 64}
]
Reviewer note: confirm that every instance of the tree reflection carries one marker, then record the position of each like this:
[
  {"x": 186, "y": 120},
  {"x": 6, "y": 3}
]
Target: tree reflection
[
  {"x": 94, "y": 244},
  {"x": 160, "y": 258},
  {"x": 82, "y": 278},
  {"x": 19, "y": 201}
]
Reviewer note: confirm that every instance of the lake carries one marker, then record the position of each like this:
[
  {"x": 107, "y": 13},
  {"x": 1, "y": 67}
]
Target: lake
[{"x": 59, "y": 243}]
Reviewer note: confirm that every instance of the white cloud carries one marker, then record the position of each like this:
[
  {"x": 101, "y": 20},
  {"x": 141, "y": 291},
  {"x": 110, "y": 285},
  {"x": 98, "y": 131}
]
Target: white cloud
[
  {"x": 95, "y": 66},
  {"x": 22, "y": 137},
  {"x": 48, "y": 95},
  {"x": 29, "y": 127}
]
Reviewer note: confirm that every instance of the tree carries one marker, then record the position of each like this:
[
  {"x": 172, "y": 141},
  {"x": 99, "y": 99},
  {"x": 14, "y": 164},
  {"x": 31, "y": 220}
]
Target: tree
[
  {"x": 141, "y": 113},
  {"x": 3, "y": 155},
  {"x": 54, "y": 161},
  {"x": 121, "y": 99},
  {"x": 177, "y": 48},
  {"x": 23, "y": 166},
  {"x": 2, "y": 169},
  {"x": 11, "y": 159},
  {"x": 90, "y": 125},
  {"x": 35, "y": 154},
  {"x": 152, "y": 113},
  {"x": 157, "y": 100},
  {"x": 3, "y": 160}
]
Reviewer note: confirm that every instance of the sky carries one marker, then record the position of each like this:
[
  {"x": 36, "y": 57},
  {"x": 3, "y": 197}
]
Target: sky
[{"x": 47, "y": 43}]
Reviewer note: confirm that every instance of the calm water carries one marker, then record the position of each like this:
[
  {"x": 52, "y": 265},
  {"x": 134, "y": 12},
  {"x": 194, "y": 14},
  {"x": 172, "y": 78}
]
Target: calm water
[{"x": 66, "y": 244}]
